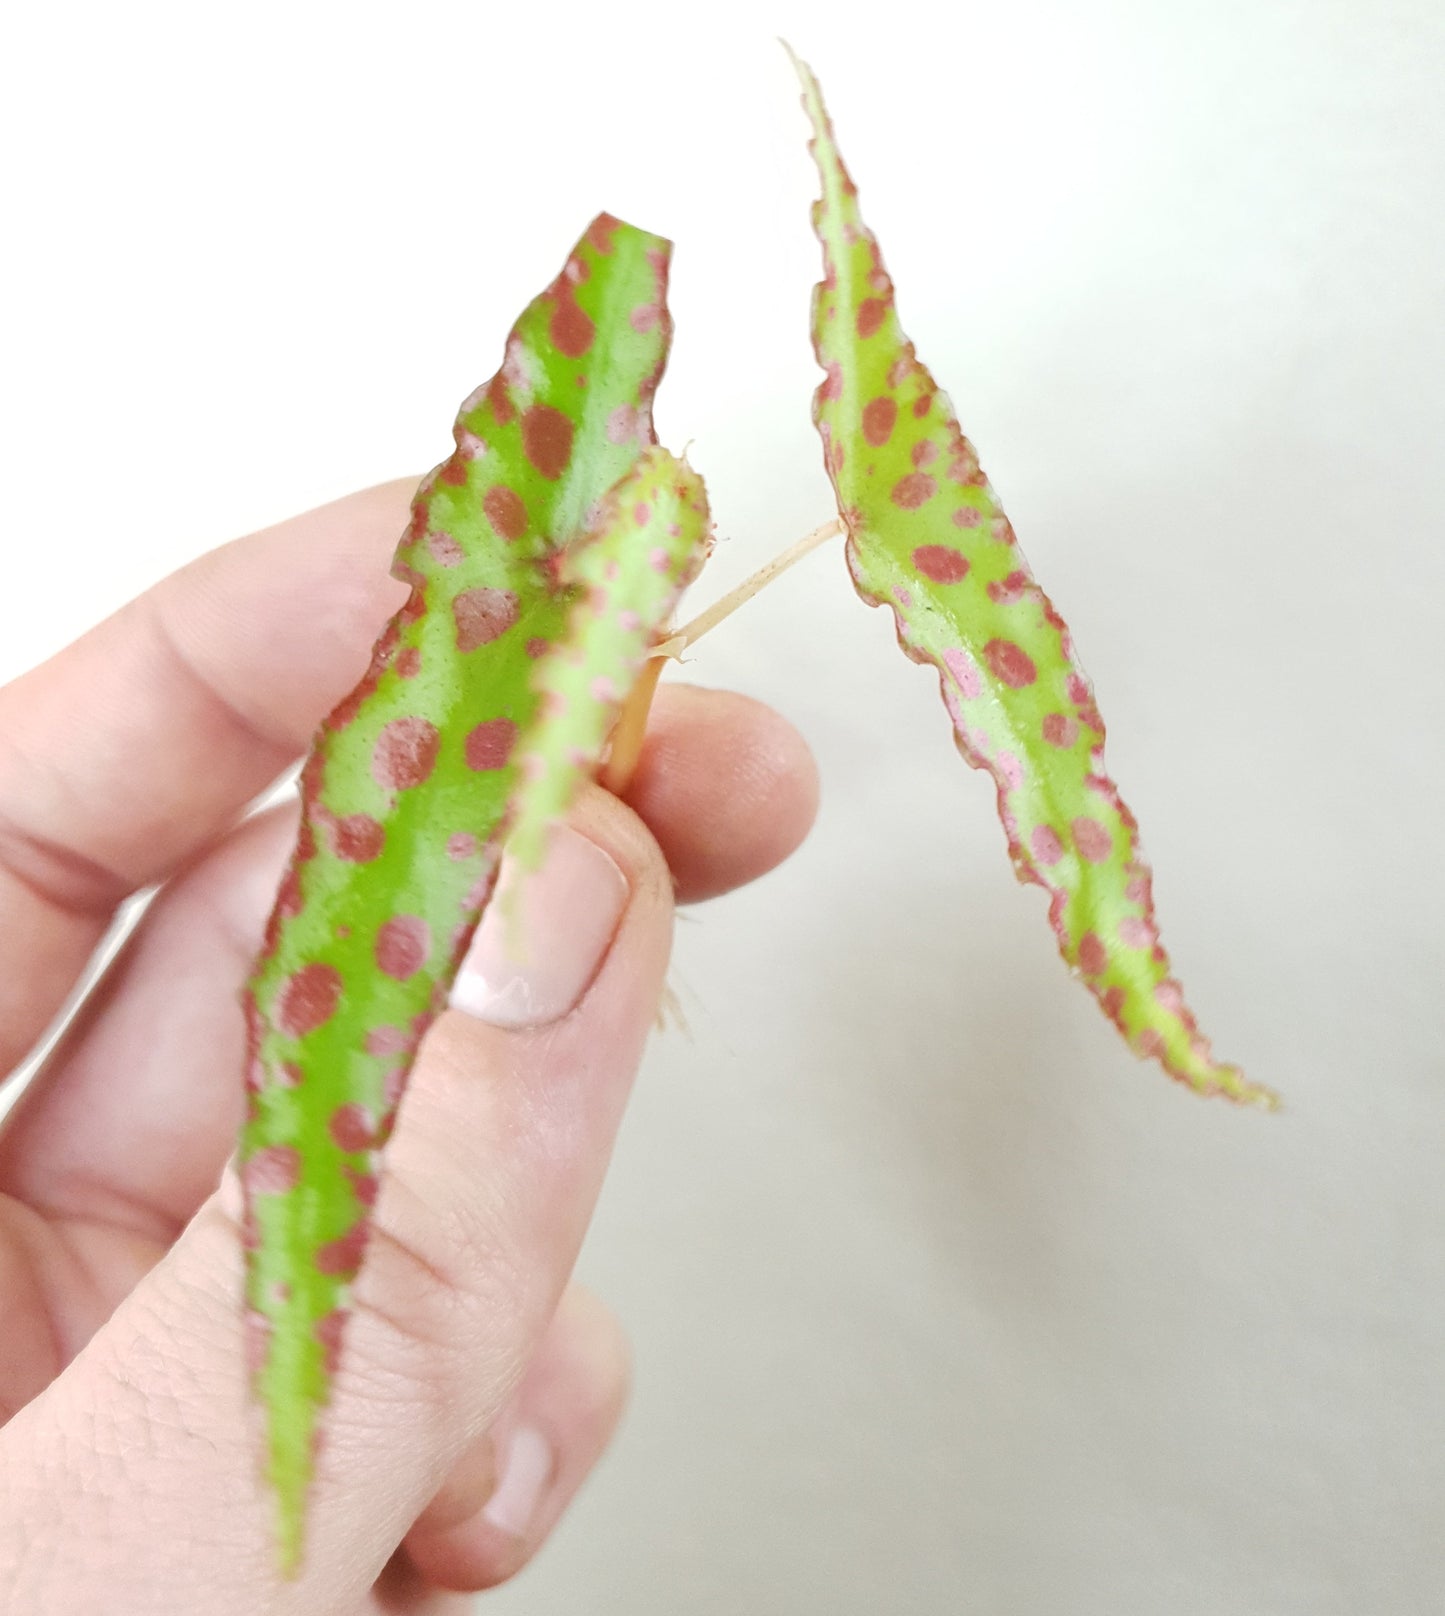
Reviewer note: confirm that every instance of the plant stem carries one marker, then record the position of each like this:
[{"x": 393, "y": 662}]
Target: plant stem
[{"x": 632, "y": 721}]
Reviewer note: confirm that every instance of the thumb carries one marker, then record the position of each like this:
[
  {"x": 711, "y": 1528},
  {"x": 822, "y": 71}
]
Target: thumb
[{"x": 490, "y": 1179}]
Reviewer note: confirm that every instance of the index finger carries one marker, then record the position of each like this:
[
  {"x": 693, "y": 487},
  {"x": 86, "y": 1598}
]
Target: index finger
[{"x": 130, "y": 750}]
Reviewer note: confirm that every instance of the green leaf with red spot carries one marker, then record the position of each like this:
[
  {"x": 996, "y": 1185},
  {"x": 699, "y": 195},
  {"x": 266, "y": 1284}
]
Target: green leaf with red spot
[
  {"x": 927, "y": 537},
  {"x": 405, "y": 799},
  {"x": 646, "y": 543}
]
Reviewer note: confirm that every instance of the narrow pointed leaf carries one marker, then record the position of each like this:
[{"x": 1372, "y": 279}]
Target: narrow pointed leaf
[
  {"x": 927, "y": 537},
  {"x": 644, "y": 546},
  {"x": 403, "y": 801}
]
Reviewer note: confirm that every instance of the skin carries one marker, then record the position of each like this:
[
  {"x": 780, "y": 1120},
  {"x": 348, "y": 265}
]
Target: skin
[{"x": 128, "y": 1460}]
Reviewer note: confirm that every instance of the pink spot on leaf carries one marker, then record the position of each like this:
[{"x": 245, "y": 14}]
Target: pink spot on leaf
[
  {"x": 343, "y": 1256},
  {"x": 483, "y": 615},
  {"x": 387, "y": 1041},
  {"x": 940, "y": 563},
  {"x": 916, "y": 489},
  {"x": 1008, "y": 590},
  {"x": 870, "y": 315},
  {"x": 489, "y": 745},
  {"x": 309, "y": 999},
  {"x": 356, "y": 838},
  {"x": 272, "y": 1171},
  {"x": 461, "y": 845},
  {"x": 1093, "y": 957},
  {"x": 1092, "y": 840},
  {"x": 405, "y": 753},
  {"x": 1060, "y": 729},
  {"x": 444, "y": 548},
  {"x": 505, "y": 511},
  {"x": 879, "y": 415},
  {"x": 1048, "y": 849},
  {"x": 1010, "y": 664},
  {"x": 624, "y": 424},
  {"x": 328, "y": 1331},
  {"x": 547, "y": 439},
  {"x": 402, "y": 945},
  {"x": 964, "y": 671},
  {"x": 353, "y": 1127}
]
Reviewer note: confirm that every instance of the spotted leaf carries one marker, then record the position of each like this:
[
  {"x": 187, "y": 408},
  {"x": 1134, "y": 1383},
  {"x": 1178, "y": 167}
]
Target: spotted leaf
[
  {"x": 927, "y": 537},
  {"x": 403, "y": 801},
  {"x": 645, "y": 545}
]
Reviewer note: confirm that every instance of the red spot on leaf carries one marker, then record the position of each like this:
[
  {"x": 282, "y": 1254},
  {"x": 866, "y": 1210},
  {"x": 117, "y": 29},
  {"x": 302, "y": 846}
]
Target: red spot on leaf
[
  {"x": 942, "y": 565},
  {"x": 1010, "y": 664},
  {"x": 832, "y": 385},
  {"x": 925, "y": 453},
  {"x": 272, "y": 1171},
  {"x": 505, "y": 511},
  {"x": 288, "y": 896},
  {"x": 914, "y": 490},
  {"x": 364, "y": 1185},
  {"x": 501, "y": 400},
  {"x": 1092, "y": 840},
  {"x": 483, "y": 615},
  {"x": 405, "y": 753},
  {"x": 402, "y": 945},
  {"x": 547, "y": 440},
  {"x": 870, "y": 315},
  {"x": 489, "y": 745},
  {"x": 600, "y": 233},
  {"x": 538, "y": 647},
  {"x": 408, "y": 662},
  {"x": 966, "y": 516},
  {"x": 879, "y": 414},
  {"x": 571, "y": 330},
  {"x": 343, "y": 1256},
  {"x": 387, "y": 1040},
  {"x": 1048, "y": 849},
  {"x": 328, "y": 1331},
  {"x": 1093, "y": 956},
  {"x": 922, "y": 404},
  {"x": 357, "y": 838},
  {"x": 1010, "y": 589},
  {"x": 308, "y": 999},
  {"x": 256, "y": 1336},
  {"x": 1060, "y": 730},
  {"x": 352, "y": 1127},
  {"x": 444, "y": 548},
  {"x": 454, "y": 472}
]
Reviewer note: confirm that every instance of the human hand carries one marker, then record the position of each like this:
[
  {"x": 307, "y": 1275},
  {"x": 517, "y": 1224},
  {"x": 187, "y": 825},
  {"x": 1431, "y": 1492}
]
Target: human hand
[{"x": 475, "y": 1391}]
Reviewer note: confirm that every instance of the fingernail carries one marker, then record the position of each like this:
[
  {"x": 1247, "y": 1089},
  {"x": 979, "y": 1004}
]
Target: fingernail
[
  {"x": 566, "y": 913},
  {"x": 525, "y": 1476}
]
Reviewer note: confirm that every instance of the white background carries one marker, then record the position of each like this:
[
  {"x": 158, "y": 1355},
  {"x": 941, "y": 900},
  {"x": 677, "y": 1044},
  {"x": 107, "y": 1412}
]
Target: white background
[{"x": 941, "y": 1301}]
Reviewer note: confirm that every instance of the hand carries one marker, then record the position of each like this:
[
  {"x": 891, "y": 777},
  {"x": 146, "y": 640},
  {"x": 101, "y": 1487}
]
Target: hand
[{"x": 475, "y": 1391}]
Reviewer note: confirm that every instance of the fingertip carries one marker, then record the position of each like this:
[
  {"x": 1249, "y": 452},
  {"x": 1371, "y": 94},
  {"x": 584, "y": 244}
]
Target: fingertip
[
  {"x": 507, "y": 1494},
  {"x": 727, "y": 786}
]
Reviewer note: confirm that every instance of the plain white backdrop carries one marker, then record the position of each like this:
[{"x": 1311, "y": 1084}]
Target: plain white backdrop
[{"x": 941, "y": 1301}]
